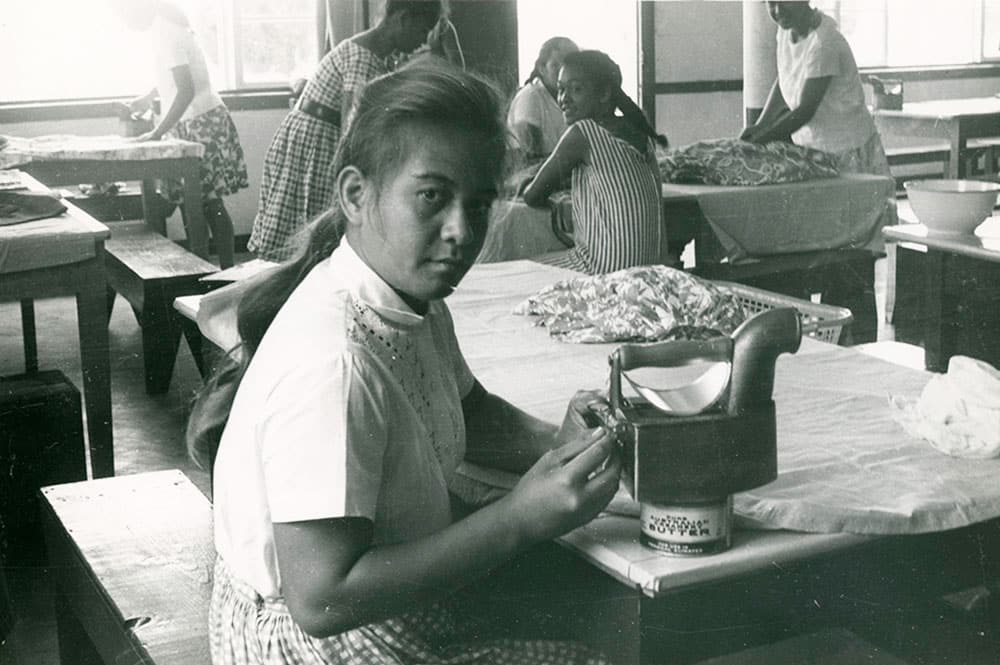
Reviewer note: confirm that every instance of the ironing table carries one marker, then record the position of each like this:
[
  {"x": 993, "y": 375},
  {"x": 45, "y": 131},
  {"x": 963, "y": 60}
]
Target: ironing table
[
  {"x": 858, "y": 506},
  {"x": 71, "y": 160}
]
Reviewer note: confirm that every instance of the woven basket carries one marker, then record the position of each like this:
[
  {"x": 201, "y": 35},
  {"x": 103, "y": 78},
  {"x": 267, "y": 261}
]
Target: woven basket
[{"x": 823, "y": 322}]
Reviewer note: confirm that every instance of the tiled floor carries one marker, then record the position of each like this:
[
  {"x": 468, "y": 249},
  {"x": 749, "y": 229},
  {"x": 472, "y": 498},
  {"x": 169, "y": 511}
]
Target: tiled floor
[{"x": 148, "y": 436}]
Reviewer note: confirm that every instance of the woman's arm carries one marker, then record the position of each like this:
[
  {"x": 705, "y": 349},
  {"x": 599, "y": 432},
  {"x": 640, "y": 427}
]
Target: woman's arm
[
  {"x": 571, "y": 150},
  {"x": 794, "y": 118},
  {"x": 333, "y": 579},
  {"x": 185, "y": 94}
]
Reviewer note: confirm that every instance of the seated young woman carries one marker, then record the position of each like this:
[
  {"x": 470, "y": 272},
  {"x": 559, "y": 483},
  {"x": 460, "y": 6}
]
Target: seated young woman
[
  {"x": 334, "y": 530},
  {"x": 534, "y": 119},
  {"x": 617, "y": 219}
]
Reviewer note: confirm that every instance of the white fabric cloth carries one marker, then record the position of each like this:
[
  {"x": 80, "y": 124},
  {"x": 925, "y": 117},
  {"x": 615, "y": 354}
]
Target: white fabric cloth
[
  {"x": 175, "y": 46},
  {"x": 958, "y": 413},
  {"x": 351, "y": 406},
  {"x": 842, "y": 121},
  {"x": 533, "y": 105}
]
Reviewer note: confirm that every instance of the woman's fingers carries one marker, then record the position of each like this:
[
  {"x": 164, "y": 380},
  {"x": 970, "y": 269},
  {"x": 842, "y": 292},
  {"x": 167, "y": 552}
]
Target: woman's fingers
[
  {"x": 577, "y": 445},
  {"x": 589, "y": 460}
]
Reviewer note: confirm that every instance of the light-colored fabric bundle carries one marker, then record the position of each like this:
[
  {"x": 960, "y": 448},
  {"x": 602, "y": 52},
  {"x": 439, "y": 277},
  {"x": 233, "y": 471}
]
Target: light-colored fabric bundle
[
  {"x": 958, "y": 413},
  {"x": 644, "y": 304}
]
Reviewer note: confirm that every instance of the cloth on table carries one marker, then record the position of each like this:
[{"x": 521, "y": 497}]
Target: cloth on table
[
  {"x": 18, "y": 207},
  {"x": 646, "y": 303},
  {"x": 741, "y": 163},
  {"x": 64, "y": 147},
  {"x": 846, "y": 212},
  {"x": 958, "y": 413}
]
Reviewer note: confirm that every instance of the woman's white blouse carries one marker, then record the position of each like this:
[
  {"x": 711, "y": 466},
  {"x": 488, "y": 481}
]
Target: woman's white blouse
[{"x": 350, "y": 407}]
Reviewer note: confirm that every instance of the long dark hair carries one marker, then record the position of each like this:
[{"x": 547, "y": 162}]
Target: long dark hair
[
  {"x": 608, "y": 76},
  {"x": 544, "y": 53},
  {"x": 386, "y": 112},
  {"x": 429, "y": 9}
]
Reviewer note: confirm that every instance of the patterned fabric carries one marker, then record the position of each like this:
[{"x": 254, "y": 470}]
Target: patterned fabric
[
  {"x": 616, "y": 208},
  {"x": 298, "y": 179},
  {"x": 644, "y": 304},
  {"x": 246, "y": 629},
  {"x": 741, "y": 163},
  {"x": 223, "y": 168}
]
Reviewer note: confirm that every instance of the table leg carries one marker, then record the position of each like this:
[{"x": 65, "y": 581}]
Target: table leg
[
  {"x": 151, "y": 212},
  {"x": 956, "y": 165},
  {"x": 197, "y": 227},
  {"x": 29, "y": 336},
  {"x": 91, "y": 312},
  {"x": 939, "y": 315}
]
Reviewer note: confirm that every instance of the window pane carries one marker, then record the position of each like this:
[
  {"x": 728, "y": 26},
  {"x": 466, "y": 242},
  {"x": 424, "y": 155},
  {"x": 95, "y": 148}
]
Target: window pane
[
  {"x": 938, "y": 33},
  {"x": 277, "y": 51},
  {"x": 298, "y": 8},
  {"x": 991, "y": 29}
]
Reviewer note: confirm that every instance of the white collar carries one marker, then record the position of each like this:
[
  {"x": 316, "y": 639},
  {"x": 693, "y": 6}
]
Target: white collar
[{"x": 350, "y": 272}]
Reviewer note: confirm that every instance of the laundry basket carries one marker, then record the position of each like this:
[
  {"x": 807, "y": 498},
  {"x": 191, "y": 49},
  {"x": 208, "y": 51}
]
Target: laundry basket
[{"x": 823, "y": 322}]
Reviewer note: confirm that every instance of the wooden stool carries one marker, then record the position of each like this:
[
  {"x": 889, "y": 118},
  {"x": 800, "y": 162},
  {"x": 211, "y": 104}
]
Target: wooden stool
[{"x": 149, "y": 271}]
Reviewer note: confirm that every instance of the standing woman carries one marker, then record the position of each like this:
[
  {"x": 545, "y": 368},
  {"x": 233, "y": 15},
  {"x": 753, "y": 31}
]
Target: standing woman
[
  {"x": 534, "y": 117},
  {"x": 192, "y": 111},
  {"x": 298, "y": 178},
  {"x": 617, "y": 220},
  {"x": 335, "y": 537},
  {"x": 818, "y": 98}
]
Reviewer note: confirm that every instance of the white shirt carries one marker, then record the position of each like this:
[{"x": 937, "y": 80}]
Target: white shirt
[
  {"x": 533, "y": 105},
  {"x": 842, "y": 121},
  {"x": 350, "y": 407},
  {"x": 173, "y": 46}
]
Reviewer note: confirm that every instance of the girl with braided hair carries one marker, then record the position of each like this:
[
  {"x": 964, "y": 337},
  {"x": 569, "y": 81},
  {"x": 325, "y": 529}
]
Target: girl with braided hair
[{"x": 615, "y": 180}]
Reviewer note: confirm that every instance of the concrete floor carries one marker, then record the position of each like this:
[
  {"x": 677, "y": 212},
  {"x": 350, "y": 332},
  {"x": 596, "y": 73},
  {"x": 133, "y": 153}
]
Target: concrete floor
[{"x": 149, "y": 436}]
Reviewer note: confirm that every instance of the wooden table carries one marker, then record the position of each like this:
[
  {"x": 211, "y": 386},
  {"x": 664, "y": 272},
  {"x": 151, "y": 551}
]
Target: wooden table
[
  {"x": 644, "y": 607},
  {"x": 959, "y": 311},
  {"x": 73, "y": 160},
  {"x": 64, "y": 256},
  {"x": 953, "y": 120}
]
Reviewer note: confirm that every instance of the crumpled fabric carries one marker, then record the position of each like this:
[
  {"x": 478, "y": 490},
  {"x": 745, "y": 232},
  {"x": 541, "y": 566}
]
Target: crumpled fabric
[
  {"x": 958, "y": 413},
  {"x": 640, "y": 304},
  {"x": 735, "y": 162}
]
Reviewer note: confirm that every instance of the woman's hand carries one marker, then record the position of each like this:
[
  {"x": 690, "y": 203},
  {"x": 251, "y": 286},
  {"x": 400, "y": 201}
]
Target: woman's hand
[
  {"x": 567, "y": 487},
  {"x": 749, "y": 133},
  {"x": 579, "y": 419}
]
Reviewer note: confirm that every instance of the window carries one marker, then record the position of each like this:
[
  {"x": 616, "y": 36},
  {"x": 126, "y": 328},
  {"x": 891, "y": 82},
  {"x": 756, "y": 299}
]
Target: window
[
  {"x": 611, "y": 27},
  {"x": 73, "y": 49},
  {"x": 904, "y": 33}
]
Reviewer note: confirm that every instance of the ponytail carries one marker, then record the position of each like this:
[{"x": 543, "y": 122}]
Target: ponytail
[
  {"x": 533, "y": 75},
  {"x": 636, "y": 118}
]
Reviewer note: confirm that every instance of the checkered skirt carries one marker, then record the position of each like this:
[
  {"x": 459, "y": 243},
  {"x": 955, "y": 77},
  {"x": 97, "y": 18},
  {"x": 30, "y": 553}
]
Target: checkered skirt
[{"x": 246, "y": 629}]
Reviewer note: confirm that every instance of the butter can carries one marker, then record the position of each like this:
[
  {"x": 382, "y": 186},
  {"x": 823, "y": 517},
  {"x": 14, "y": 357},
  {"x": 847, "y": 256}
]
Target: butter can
[{"x": 687, "y": 530}]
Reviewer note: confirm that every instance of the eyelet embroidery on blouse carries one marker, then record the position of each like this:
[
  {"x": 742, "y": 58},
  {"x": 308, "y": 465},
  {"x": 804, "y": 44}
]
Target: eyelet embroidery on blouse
[{"x": 398, "y": 350}]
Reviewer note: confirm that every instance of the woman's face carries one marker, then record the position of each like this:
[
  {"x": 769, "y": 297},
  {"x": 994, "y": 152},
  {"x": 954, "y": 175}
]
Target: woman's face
[
  {"x": 788, "y": 14},
  {"x": 579, "y": 95},
  {"x": 548, "y": 71},
  {"x": 429, "y": 221}
]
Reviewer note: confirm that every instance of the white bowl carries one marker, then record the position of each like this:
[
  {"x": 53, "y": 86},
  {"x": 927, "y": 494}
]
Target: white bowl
[{"x": 951, "y": 206}]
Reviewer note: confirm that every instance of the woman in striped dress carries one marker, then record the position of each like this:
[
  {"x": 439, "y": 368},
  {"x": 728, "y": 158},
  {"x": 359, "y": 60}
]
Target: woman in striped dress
[
  {"x": 617, "y": 218},
  {"x": 298, "y": 180}
]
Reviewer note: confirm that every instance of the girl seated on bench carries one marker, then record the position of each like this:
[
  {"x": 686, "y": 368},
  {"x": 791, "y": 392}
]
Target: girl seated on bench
[
  {"x": 335, "y": 537},
  {"x": 617, "y": 219}
]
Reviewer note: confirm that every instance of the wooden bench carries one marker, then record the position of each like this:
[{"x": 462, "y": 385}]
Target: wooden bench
[
  {"x": 149, "y": 271},
  {"x": 131, "y": 558}
]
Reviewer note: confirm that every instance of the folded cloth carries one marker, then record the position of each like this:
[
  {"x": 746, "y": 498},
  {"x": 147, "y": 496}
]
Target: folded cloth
[
  {"x": 642, "y": 304},
  {"x": 19, "y": 207},
  {"x": 958, "y": 413}
]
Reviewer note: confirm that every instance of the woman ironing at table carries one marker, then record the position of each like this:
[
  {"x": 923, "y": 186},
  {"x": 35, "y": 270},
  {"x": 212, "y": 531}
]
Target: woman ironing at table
[
  {"x": 615, "y": 180},
  {"x": 817, "y": 98},
  {"x": 193, "y": 111}
]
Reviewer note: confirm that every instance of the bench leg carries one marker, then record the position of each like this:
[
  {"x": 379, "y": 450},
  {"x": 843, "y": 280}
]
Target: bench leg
[
  {"x": 196, "y": 343},
  {"x": 75, "y": 646},
  {"x": 29, "y": 336},
  {"x": 161, "y": 336},
  {"x": 852, "y": 285}
]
